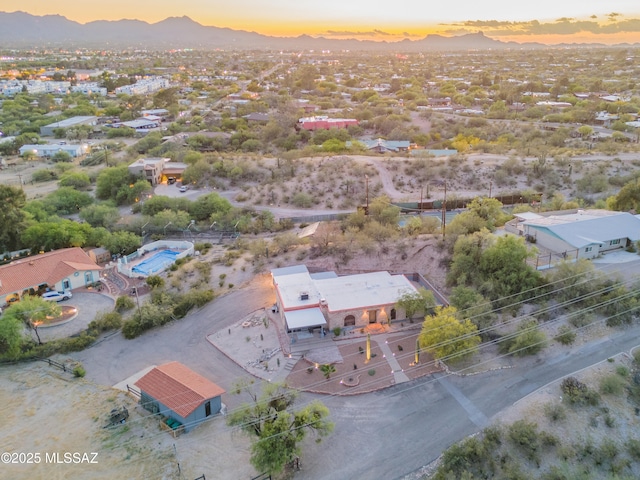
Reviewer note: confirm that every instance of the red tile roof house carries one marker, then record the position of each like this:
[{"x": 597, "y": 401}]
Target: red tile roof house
[
  {"x": 64, "y": 269},
  {"x": 175, "y": 391}
]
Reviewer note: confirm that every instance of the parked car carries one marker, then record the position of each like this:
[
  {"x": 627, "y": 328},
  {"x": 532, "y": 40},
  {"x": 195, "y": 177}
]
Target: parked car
[
  {"x": 56, "y": 296},
  {"x": 184, "y": 188}
]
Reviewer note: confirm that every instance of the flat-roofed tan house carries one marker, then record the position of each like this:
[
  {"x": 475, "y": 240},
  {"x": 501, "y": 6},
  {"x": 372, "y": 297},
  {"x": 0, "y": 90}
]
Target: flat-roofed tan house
[{"x": 306, "y": 301}]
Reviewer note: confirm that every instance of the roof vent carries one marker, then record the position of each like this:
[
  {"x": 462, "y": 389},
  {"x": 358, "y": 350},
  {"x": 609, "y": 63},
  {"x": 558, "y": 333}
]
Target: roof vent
[{"x": 304, "y": 295}]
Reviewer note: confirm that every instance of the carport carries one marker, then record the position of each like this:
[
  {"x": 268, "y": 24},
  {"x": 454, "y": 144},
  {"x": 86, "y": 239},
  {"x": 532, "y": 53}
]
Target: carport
[{"x": 307, "y": 318}]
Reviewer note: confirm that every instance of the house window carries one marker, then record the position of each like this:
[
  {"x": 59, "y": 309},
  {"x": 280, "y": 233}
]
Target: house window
[
  {"x": 588, "y": 249},
  {"x": 66, "y": 285},
  {"x": 392, "y": 314},
  {"x": 615, "y": 242},
  {"x": 207, "y": 409},
  {"x": 349, "y": 321}
]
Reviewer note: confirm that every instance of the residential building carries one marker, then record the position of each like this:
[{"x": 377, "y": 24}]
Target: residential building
[
  {"x": 324, "y": 123},
  {"x": 139, "y": 124},
  {"x": 46, "y": 151},
  {"x": 180, "y": 394},
  {"x": 47, "y": 130},
  {"x": 149, "y": 168},
  {"x": 382, "y": 146},
  {"x": 64, "y": 269},
  {"x": 308, "y": 301},
  {"x": 584, "y": 233},
  {"x": 144, "y": 86}
]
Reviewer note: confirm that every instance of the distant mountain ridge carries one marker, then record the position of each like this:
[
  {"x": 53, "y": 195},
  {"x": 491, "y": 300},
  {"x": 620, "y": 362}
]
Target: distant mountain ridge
[{"x": 23, "y": 30}]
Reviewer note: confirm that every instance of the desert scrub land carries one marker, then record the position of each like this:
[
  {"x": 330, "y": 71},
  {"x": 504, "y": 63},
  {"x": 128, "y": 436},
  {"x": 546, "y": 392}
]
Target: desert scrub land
[
  {"x": 46, "y": 410},
  {"x": 580, "y": 427}
]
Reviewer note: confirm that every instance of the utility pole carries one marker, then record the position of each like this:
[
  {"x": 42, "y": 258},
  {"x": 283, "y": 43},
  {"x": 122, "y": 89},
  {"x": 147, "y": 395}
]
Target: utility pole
[
  {"x": 420, "y": 207},
  {"x": 366, "y": 177},
  {"x": 444, "y": 211},
  {"x": 490, "y": 185},
  {"x": 20, "y": 180}
]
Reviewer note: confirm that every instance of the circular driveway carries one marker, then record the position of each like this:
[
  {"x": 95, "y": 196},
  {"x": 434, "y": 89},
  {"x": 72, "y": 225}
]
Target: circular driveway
[{"x": 88, "y": 304}]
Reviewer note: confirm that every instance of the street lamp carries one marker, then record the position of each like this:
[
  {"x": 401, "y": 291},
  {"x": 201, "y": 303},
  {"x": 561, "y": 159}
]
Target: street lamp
[{"x": 165, "y": 228}]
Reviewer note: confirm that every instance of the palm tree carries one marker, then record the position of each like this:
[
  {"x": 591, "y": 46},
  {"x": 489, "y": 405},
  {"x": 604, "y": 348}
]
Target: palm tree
[{"x": 327, "y": 369}]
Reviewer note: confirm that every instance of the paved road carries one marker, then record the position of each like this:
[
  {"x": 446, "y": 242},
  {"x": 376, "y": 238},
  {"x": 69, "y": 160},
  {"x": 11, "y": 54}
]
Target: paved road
[
  {"x": 394, "y": 432},
  {"x": 385, "y": 434},
  {"x": 116, "y": 358}
]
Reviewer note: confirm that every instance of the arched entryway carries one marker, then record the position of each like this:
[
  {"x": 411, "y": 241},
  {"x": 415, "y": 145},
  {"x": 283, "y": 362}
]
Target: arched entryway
[{"x": 349, "y": 321}]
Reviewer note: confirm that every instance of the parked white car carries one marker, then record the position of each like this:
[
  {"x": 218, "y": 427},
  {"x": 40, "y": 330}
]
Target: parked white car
[{"x": 56, "y": 296}]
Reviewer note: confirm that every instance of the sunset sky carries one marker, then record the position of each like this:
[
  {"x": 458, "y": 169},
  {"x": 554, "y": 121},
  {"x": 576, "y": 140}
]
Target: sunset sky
[{"x": 548, "y": 21}]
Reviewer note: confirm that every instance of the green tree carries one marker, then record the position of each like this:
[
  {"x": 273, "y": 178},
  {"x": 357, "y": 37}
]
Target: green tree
[
  {"x": 444, "y": 336},
  {"x": 122, "y": 242},
  {"x": 504, "y": 269},
  {"x": 52, "y": 235},
  {"x": 207, "y": 205},
  {"x": 78, "y": 180},
  {"x": 10, "y": 336},
  {"x": 12, "y": 217},
  {"x": 628, "y": 198},
  {"x": 421, "y": 301},
  {"x": 100, "y": 215},
  {"x": 472, "y": 305},
  {"x": 381, "y": 210},
  {"x": 277, "y": 429},
  {"x": 67, "y": 200},
  {"x": 111, "y": 180},
  {"x": 197, "y": 173},
  {"x": 32, "y": 311}
]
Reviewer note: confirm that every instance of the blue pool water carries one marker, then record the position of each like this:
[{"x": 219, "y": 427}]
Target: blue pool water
[{"x": 157, "y": 263}]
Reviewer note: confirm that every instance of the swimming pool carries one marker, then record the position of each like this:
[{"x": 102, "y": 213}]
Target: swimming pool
[{"x": 156, "y": 263}]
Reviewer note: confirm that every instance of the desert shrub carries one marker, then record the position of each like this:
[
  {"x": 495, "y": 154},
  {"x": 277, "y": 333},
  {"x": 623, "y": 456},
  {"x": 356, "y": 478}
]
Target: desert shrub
[
  {"x": 606, "y": 452},
  {"x": 79, "y": 371},
  {"x": 124, "y": 303},
  {"x": 577, "y": 393},
  {"x": 622, "y": 371},
  {"x": 573, "y": 389},
  {"x": 337, "y": 331},
  {"x": 150, "y": 315},
  {"x": 467, "y": 459},
  {"x": 44, "y": 175},
  {"x": 372, "y": 372},
  {"x": 525, "y": 436},
  {"x": 105, "y": 322},
  {"x": 302, "y": 200},
  {"x": 155, "y": 281},
  {"x": 555, "y": 412},
  {"x": 633, "y": 448},
  {"x": 529, "y": 341},
  {"x": 581, "y": 320},
  {"x": 194, "y": 298},
  {"x": 612, "y": 385},
  {"x": 566, "y": 335}
]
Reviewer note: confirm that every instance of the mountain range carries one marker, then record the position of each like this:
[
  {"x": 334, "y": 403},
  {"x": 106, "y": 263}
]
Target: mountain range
[{"x": 23, "y": 30}]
